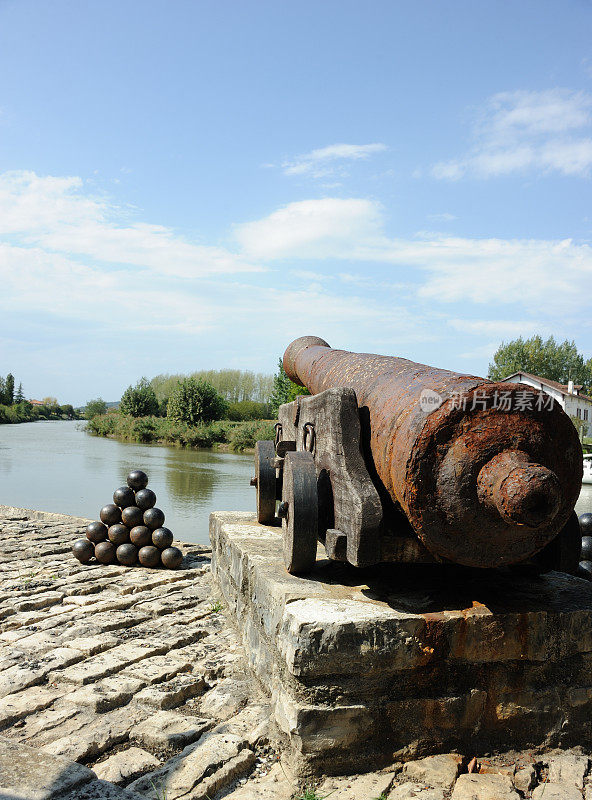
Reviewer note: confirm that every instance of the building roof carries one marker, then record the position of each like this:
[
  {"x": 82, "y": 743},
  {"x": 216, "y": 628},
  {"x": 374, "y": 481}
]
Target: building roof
[{"x": 560, "y": 387}]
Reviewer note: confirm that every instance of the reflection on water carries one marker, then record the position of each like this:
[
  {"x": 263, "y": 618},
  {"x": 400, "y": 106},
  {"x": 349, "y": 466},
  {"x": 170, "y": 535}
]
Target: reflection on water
[
  {"x": 55, "y": 466},
  {"x": 191, "y": 477}
]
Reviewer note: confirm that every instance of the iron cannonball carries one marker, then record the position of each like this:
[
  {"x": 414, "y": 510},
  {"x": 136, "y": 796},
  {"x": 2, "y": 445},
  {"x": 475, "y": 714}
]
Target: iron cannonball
[
  {"x": 141, "y": 536},
  {"x": 84, "y": 550},
  {"x": 124, "y": 497},
  {"x": 586, "y": 523},
  {"x": 118, "y": 534},
  {"x": 110, "y": 514},
  {"x": 127, "y": 554},
  {"x": 132, "y": 516},
  {"x": 105, "y": 552},
  {"x": 585, "y": 570},
  {"x": 145, "y": 499},
  {"x": 137, "y": 480},
  {"x": 149, "y": 556},
  {"x": 171, "y": 557},
  {"x": 586, "y": 548},
  {"x": 96, "y": 532},
  {"x": 153, "y": 518},
  {"x": 162, "y": 537}
]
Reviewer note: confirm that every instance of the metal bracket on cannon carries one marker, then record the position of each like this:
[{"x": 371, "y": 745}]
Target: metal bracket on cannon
[{"x": 316, "y": 468}]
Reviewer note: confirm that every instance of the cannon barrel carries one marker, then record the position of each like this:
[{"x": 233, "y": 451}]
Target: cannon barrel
[{"x": 487, "y": 473}]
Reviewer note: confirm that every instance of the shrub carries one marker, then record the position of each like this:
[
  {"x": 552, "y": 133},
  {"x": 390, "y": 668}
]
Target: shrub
[
  {"x": 143, "y": 429},
  {"x": 247, "y": 410},
  {"x": 94, "y": 407},
  {"x": 248, "y": 434},
  {"x": 139, "y": 400},
  {"x": 195, "y": 401}
]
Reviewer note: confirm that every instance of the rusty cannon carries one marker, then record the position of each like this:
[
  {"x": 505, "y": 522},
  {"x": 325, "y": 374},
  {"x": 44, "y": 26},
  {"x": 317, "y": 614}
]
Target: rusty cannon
[{"x": 392, "y": 461}]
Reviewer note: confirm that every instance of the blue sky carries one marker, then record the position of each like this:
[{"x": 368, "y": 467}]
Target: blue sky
[{"x": 189, "y": 185}]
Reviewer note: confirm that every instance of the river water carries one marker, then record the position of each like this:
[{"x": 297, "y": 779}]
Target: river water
[{"x": 56, "y": 466}]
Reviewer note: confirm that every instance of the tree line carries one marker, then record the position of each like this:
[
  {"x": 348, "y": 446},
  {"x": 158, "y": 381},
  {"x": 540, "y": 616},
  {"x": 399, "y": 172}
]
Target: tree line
[
  {"x": 208, "y": 395},
  {"x": 205, "y": 396},
  {"x": 14, "y": 407}
]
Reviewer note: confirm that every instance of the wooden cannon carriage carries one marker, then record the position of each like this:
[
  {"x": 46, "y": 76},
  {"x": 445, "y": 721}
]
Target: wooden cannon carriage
[{"x": 392, "y": 461}]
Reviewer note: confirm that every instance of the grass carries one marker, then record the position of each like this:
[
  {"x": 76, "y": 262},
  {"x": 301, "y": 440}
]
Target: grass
[
  {"x": 310, "y": 794},
  {"x": 238, "y": 435},
  {"x": 159, "y": 794},
  {"x": 216, "y": 607}
]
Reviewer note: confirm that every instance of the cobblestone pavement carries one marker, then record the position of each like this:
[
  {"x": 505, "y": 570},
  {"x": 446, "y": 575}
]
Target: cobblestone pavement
[{"x": 120, "y": 682}]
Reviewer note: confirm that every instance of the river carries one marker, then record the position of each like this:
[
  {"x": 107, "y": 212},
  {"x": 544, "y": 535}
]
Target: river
[{"x": 56, "y": 466}]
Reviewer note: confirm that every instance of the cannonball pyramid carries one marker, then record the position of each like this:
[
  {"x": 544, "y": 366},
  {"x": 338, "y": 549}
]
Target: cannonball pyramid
[{"x": 131, "y": 530}]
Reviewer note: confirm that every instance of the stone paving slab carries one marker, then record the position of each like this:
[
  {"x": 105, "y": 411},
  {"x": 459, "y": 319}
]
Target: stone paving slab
[{"x": 32, "y": 775}]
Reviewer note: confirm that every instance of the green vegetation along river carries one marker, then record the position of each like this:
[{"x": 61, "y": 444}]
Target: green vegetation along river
[{"x": 56, "y": 466}]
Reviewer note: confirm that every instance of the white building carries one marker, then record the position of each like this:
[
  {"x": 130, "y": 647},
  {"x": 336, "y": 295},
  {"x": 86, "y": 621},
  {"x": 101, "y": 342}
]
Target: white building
[{"x": 569, "y": 398}]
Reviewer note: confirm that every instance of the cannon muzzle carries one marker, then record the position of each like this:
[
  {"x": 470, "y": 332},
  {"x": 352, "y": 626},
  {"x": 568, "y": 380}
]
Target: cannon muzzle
[{"x": 487, "y": 473}]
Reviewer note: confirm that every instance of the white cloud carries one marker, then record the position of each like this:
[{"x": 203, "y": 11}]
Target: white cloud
[
  {"x": 57, "y": 214},
  {"x": 503, "y": 271},
  {"x": 34, "y": 280},
  {"x": 322, "y": 162},
  {"x": 321, "y": 228},
  {"x": 72, "y": 258},
  {"x": 69, "y": 257},
  {"x": 518, "y": 131}
]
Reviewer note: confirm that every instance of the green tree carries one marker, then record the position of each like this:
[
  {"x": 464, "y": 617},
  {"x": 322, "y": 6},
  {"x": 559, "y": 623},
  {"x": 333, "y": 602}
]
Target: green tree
[
  {"x": 139, "y": 400},
  {"x": 95, "y": 407},
  {"x": 195, "y": 401},
  {"x": 281, "y": 389},
  {"x": 67, "y": 410},
  {"x": 19, "y": 396},
  {"x": 284, "y": 390},
  {"x": 547, "y": 358},
  {"x": 9, "y": 389}
]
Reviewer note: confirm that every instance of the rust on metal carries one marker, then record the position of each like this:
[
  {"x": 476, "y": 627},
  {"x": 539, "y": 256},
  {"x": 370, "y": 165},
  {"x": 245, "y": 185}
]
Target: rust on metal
[{"x": 482, "y": 483}]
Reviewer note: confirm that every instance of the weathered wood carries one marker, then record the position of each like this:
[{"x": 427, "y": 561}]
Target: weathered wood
[
  {"x": 300, "y": 521},
  {"x": 265, "y": 482},
  {"x": 348, "y": 500}
]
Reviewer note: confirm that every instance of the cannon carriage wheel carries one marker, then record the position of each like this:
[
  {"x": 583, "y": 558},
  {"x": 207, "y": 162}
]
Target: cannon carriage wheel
[
  {"x": 299, "y": 512},
  {"x": 265, "y": 482}
]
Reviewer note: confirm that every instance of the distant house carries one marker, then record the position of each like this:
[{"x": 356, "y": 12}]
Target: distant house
[
  {"x": 569, "y": 398},
  {"x": 36, "y": 402}
]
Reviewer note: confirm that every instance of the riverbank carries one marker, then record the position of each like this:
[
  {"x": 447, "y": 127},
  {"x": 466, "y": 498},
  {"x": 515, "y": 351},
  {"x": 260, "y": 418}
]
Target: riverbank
[
  {"x": 25, "y": 412},
  {"x": 235, "y": 436}
]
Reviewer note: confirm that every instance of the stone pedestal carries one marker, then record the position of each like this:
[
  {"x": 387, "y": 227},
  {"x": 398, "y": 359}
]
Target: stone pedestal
[{"x": 369, "y": 666}]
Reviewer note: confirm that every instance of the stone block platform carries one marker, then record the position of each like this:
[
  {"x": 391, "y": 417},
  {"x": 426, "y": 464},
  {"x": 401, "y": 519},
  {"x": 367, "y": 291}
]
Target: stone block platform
[{"x": 392, "y": 663}]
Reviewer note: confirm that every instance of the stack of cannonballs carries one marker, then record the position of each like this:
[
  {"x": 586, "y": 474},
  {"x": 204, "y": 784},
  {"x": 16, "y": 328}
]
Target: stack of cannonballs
[
  {"x": 131, "y": 530},
  {"x": 586, "y": 556}
]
